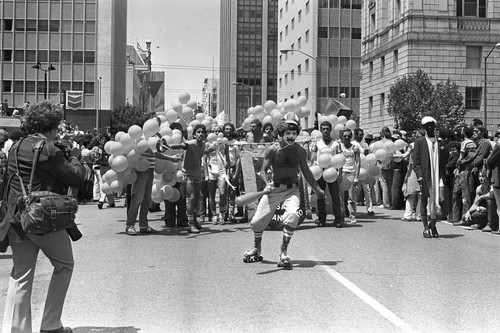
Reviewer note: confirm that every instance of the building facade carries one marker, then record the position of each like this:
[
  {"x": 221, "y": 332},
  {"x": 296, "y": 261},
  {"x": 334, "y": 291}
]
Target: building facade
[
  {"x": 248, "y": 56},
  {"x": 320, "y": 58},
  {"x": 78, "y": 46},
  {"x": 445, "y": 38},
  {"x": 210, "y": 97}
]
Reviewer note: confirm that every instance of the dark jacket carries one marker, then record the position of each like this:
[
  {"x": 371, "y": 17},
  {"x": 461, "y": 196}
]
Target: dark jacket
[
  {"x": 53, "y": 172},
  {"x": 493, "y": 162},
  {"x": 422, "y": 164}
]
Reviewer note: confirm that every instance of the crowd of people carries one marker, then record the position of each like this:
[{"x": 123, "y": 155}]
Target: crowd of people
[{"x": 440, "y": 174}]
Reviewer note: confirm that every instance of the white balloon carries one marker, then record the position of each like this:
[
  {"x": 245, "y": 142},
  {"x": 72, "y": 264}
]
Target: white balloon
[
  {"x": 184, "y": 97},
  {"x": 191, "y": 104},
  {"x": 302, "y": 100}
]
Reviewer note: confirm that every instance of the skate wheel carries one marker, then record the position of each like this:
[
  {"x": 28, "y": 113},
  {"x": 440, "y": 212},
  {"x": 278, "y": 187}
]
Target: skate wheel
[
  {"x": 260, "y": 258},
  {"x": 245, "y": 260}
]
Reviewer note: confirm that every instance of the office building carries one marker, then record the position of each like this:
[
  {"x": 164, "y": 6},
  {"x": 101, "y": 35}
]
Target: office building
[
  {"x": 445, "y": 38},
  {"x": 320, "y": 44},
  {"x": 76, "y": 46},
  {"x": 248, "y": 56}
]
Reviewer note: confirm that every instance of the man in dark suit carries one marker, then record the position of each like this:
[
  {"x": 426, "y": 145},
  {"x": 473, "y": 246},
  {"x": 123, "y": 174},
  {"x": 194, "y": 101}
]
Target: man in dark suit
[{"x": 429, "y": 166}]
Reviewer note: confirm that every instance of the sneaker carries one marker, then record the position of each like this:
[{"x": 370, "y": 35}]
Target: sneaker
[
  {"x": 112, "y": 206},
  {"x": 222, "y": 219},
  {"x": 404, "y": 219},
  {"x": 371, "y": 212},
  {"x": 215, "y": 220},
  {"x": 193, "y": 230},
  {"x": 148, "y": 230},
  {"x": 58, "y": 330},
  {"x": 197, "y": 225},
  {"x": 353, "y": 220},
  {"x": 169, "y": 224},
  {"x": 131, "y": 231},
  {"x": 338, "y": 224},
  {"x": 99, "y": 205}
]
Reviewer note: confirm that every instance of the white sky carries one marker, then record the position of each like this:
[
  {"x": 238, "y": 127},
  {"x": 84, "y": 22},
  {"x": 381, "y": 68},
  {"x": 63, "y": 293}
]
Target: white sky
[{"x": 185, "y": 41}]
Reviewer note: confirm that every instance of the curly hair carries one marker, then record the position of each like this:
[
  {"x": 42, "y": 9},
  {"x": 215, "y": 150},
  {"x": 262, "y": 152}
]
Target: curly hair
[
  {"x": 282, "y": 127},
  {"x": 43, "y": 117}
]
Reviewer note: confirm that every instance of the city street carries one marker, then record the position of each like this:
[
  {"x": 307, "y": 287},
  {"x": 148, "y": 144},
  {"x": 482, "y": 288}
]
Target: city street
[{"x": 379, "y": 275}]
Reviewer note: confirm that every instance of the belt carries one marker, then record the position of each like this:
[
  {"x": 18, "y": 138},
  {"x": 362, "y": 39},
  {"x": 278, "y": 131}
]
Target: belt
[{"x": 286, "y": 185}]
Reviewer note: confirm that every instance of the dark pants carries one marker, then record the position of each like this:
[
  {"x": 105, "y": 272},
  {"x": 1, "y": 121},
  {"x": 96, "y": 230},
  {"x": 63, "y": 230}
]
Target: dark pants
[
  {"x": 335, "y": 194},
  {"x": 397, "y": 198},
  {"x": 171, "y": 215}
]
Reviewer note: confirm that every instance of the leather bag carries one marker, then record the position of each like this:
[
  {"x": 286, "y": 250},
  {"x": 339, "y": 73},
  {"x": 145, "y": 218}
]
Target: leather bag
[{"x": 42, "y": 212}]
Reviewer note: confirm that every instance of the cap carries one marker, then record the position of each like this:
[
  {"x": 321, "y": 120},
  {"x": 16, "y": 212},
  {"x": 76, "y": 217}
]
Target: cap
[
  {"x": 368, "y": 137},
  {"x": 403, "y": 133},
  {"x": 428, "y": 119},
  {"x": 292, "y": 118}
]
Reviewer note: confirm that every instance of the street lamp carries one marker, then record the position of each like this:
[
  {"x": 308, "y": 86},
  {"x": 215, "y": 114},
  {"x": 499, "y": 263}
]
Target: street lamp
[
  {"x": 246, "y": 85},
  {"x": 290, "y": 50},
  {"x": 485, "y": 117},
  {"x": 44, "y": 70}
]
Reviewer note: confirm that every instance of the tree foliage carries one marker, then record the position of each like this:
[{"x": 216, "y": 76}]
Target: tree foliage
[
  {"x": 414, "y": 96},
  {"x": 125, "y": 116}
]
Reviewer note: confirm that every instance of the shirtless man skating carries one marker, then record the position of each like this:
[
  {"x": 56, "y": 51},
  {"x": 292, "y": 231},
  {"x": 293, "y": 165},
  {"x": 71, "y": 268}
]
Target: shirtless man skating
[{"x": 284, "y": 158}]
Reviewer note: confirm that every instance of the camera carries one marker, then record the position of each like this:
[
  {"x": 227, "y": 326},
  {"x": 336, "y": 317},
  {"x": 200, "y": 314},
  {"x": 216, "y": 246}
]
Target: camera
[{"x": 74, "y": 233}]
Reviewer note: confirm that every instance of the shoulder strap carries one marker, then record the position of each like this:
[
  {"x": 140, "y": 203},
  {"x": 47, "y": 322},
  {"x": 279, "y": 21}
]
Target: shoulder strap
[{"x": 37, "y": 148}]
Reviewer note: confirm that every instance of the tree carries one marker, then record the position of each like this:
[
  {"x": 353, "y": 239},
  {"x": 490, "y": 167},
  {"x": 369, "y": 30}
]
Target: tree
[
  {"x": 414, "y": 96},
  {"x": 125, "y": 116}
]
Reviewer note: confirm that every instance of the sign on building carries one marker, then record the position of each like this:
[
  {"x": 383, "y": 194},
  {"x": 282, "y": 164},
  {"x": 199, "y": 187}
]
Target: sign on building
[{"x": 74, "y": 99}]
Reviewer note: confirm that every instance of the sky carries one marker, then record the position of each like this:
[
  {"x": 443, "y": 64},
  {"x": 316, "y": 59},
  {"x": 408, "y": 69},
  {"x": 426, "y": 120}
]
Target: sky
[{"x": 184, "y": 38}]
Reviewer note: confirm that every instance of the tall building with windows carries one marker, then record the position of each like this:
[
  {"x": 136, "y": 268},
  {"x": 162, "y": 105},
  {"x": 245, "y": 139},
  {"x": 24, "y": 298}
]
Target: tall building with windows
[
  {"x": 248, "y": 56},
  {"x": 78, "y": 45},
  {"x": 320, "y": 52},
  {"x": 446, "y": 39}
]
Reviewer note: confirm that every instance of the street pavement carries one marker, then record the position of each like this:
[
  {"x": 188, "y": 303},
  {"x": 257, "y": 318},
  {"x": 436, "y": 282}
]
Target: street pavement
[{"x": 379, "y": 275}]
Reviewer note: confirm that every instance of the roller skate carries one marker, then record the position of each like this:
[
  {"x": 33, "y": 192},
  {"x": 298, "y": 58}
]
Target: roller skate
[
  {"x": 252, "y": 254},
  {"x": 284, "y": 261},
  {"x": 222, "y": 219}
]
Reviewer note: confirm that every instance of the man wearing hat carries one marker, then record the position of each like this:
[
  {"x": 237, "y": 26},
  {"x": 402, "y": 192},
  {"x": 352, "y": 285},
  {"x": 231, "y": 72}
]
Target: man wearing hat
[
  {"x": 429, "y": 166},
  {"x": 285, "y": 158}
]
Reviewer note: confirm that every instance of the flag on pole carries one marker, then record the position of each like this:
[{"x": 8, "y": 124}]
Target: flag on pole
[{"x": 139, "y": 47}]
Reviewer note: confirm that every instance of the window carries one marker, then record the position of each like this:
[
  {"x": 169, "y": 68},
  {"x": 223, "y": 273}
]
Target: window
[
  {"x": 299, "y": 43},
  {"x": 322, "y": 32},
  {"x": 354, "y": 92},
  {"x": 19, "y": 55},
  {"x": 286, "y": 5},
  {"x": 322, "y": 3},
  {"x": 6, "y": 86},
  {"x": 345, "y": 33},
  {"x": 53, "y": 56},
  {"x": 30, "y": 56},
  {"x": 78, "y": 86},
  {"x": 471, "y": 8},
  {"x": 292, "y": 46},
  {"x": 356, "y": 33},
  {"x": 473, "y": 56},
  {"x": 307, "y": 65},
  {"x": 42, "y": 56},
  {"x": 292, "y": 75},
  {"x": 281, "y": 82},
  {"x": 345, "y": 4},
  {"x": 356, "y": 63},
  {"x": 333, "y": 92},
  {"x": 299, "y": 70},
  {"x": 281, "y": 59},
  {"x": 382, "y": 104},
  {"x": 7, "y": 55},
  {"x": 382, "y": 66},
  {"x": 281, "y": 13},
  {"x": 286, "y": 78},
  {"x": 31, "y": 25},
  {"x": 472, "y": 98},
  {"x": 281, "y": 36},
  {"x": 345, "y": 90},
  {"x": 370, "y": 106},
  {"x": 397, "y": 10},
  {"x": 286, "y": 30},
  {"x": 299, "y": 15},
  {"x": 334, "y": 3},
  {"x": 88, "y": 88},
  {"x": 370, "y": 71},
  {"x": 7, "y": 24},
  {"x": 322, "y": 91},
  {"x": 78, "y": 57},
  {"x": 334, "y": 32},
  {"x": 307, "y": 7},
  {"x": 19, "y": 25},
  {"x": 307, "y": 36},
  {"x": 293, "y": 23},
  {"x": 29, "y": 86},
  {"x": 356, "y": 4},
  {"x": 89, "y": 57},
  {"x": 345, "y": 62},
  {"x": 306, "y": 92},
  {"x": 43, "y": 25},
  {"x": 18, "y": 86},
  {"x": 55, "y": 25},
  {"x": 65, "y": 56},
  {"x": 333, "y": 62},
  {"x": 395, "y": 61},
  {"x": 372, "y": 23}
]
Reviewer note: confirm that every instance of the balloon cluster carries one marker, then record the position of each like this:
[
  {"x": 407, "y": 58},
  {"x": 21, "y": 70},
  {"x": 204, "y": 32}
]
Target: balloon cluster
[
  {"x": 126, "y": 149},
  {"x": 272, "y": 112}
]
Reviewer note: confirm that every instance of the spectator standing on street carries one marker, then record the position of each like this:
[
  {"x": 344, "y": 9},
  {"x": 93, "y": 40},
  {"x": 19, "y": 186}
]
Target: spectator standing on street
[
  {"x": 363, "y": 187},
  {"x": 429, "y": 167},
  {"x": 53, "y": 173},
  {"x": 411, "y": 188},
  {"x": 386, "y": 173},
  {"x": 351, "y": 170}
]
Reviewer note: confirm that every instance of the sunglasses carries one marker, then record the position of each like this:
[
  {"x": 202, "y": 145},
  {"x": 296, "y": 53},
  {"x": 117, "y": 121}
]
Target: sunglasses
[{"x": 347, "y": 136}]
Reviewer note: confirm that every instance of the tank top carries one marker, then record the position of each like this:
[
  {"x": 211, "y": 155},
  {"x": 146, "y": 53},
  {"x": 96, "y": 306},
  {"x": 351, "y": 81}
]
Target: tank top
[
  {"x": 348, "y": 153},
  {"x": 322, "y": 148}
]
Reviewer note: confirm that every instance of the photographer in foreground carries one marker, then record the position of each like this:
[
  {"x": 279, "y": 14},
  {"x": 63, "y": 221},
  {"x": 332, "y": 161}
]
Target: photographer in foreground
[{"x": 54, "y": 172}]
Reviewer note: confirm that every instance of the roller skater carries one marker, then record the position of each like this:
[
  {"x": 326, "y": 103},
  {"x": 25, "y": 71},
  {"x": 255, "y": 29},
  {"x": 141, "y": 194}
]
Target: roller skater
[
  {"x": 253, "y": 254},
  {"x": 285, "y": 158}
]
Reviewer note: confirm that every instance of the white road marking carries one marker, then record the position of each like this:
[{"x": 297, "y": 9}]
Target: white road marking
[{"x": 386, "y": 313}]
